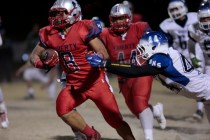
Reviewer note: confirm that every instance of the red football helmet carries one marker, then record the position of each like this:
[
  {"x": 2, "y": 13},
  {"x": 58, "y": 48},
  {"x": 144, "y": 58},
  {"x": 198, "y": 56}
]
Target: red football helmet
[{"x": 64, "y": 13}]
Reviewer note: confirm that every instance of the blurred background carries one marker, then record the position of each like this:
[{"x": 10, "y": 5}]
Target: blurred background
[{"x": 20, "y": 18}]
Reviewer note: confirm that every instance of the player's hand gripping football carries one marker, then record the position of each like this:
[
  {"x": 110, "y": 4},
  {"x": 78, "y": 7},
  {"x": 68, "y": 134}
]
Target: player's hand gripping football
[
  {"x": 95, "y": 60},
  {"x": 50, "y": 58}
]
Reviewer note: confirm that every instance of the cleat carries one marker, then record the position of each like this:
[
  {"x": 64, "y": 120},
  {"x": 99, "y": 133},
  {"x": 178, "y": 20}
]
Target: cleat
[
  {"x": 79, "y": 136},
  {"x": 4, "y": 120},
  {"x": 198, "y": 115},
  {"x": 161, "y": 118},
  {"x": 95, "y": 136},
  {"x": 3, "y": 116},
  {"x": 29, "y": 97}
]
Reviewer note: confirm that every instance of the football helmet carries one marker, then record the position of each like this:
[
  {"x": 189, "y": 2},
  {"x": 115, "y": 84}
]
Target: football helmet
[
  {"x": 204, "y": 16},
  {"x": 64, "y": 13},
  {"x": 177, "y": 9},
  {"x": 120, "y": 18},
  {"x": 151, "y": 43}
]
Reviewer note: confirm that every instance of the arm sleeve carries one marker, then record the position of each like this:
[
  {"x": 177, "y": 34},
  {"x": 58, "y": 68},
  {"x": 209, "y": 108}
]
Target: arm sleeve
[
  {"x": 192, "y": 42},
  {"x": 131, "y": 70},
  {"x": 93, "y": 31}
]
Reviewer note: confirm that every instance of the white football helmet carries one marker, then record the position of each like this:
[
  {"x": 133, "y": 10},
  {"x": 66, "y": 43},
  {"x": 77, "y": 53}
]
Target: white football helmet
[
  {"x": 177, "y": 9},
  {"x": 151, "y": 43},
  {"x": 204, "y": 16},
  {"x": 120, "y": 11},
  {"x": 64, "y": 13}
]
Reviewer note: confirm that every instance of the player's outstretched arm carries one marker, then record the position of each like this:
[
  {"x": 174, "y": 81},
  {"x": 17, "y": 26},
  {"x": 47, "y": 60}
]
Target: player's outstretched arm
[
  {"x": 127, "y": 70},
  {"x": 99, "y": 47}
]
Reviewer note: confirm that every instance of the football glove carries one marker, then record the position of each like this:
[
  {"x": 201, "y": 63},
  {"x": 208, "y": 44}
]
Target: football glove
[
  {"x": 196, "y": 62},
  {"x": 95, "y": 60},
  {"x": 51, "y": 61}
]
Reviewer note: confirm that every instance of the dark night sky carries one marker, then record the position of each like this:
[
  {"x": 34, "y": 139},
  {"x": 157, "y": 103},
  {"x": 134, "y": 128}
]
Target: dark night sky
[{"x": 18, "y": 16}]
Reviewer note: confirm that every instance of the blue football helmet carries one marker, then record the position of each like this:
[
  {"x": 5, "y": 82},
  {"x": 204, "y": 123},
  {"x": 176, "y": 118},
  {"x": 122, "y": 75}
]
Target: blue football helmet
[
  {"x": 177, "y": 9},
  {"x": 151, "y": 43},
  {"x": 204, "y": 16}
]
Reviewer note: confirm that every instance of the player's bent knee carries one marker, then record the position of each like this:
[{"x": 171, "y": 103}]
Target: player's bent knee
[
  {"x": 63, "y": 109},
  {"x": 64, "y": 113}
]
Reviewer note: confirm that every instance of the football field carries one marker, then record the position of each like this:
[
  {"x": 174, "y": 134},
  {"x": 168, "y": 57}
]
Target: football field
[{"x": 37, "y": 120}]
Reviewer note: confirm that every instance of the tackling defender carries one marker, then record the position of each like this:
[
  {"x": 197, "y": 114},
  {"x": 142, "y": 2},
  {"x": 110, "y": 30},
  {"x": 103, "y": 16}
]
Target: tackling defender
[{"x": 170, "y": 67}]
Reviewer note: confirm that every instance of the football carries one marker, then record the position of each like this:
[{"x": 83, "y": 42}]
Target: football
[{"x": 48, "y": 54}]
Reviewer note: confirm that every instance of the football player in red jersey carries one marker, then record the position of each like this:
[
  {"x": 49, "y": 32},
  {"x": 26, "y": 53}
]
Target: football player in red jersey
[
  {"x": 72, "y": 38},
  {"x": 121, "y": 39}
]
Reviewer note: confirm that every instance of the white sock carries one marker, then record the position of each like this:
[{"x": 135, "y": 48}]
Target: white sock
[
  {"x": 52, "y": 91},
  {"x": 1, "y": 96},
  {"x": 200, "y": 106},
  {"x": 146, "y": 120},
  {"x": 3, "y": 108},
  {"x": 156, "y": 111},
  {"x": 30, "y": 91}
]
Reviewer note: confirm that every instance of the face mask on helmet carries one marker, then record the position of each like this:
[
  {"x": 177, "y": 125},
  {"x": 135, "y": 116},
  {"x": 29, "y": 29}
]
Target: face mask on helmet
[
  {"x": 151, "y": 43},
  {"x": 177, "y": 9},
  {"x": 64, "y": 13},
  {"x": 120, "y": 18},
  {"x": 204, "y": 16}
]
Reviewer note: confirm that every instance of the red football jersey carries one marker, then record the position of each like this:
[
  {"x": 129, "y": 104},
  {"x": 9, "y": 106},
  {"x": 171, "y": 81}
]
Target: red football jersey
[
  {"x": 136, "y": 17},
  {"x": 122, "y": 48},
  {"x": 72, "y": 48}
]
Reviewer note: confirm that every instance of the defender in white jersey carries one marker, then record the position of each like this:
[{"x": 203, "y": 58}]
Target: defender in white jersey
[
  {"x": 199, "y": 34},
  {"x": 175, "y": 28},
  {"x": 31, "y": 74},
  {"x": 167, "y": 64}
]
